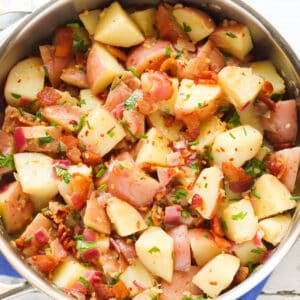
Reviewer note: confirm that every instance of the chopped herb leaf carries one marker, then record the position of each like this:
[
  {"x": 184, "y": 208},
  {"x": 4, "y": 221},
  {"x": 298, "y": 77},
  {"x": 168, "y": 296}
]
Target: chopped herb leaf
[
  {"x": 186, "y": 213},
  {"x": 154, "y": 249},
  {"x": 168, "y": 51},
  {"x": 82, "y": 102},
  {"x": 187, "y": 97},
  {"x": 200, "y": 105},
  {"x": 80, "y": 125},
  {"x": 46, "y": 71},
  {"x": 79, "y": 43},
  {"x": 186, "y": 298},
  {"x": 250, "y": 266},
  {"x": 253, "y": 192},
  {"x": 205, "y": 185},
  {"x": 232, "y": 135},
  {"x": 134, "y": 71},
  {"x": 126, "y": 127},
  {"x": 73, "y": 25},
  {"x": 224, "y": 225},
  {"x": 84, "y": 281},
  {"x": 194, "y": 167},
  {"x": 207, "y": 153},
  {"x": 53, "y": 124},
  {"x": 37, "y": 115},
  {"x": 102, "y": 187},
  {"x": 186, "y": 27},
  {"x": 179, "y": 54},
  {"x": 111, "y": 132},
  {"x": 48, "y": 250},
  {"x": 113, "y": 282},
  {"x": 101, "y": 171},
  {"x": 192, "y": 143},
  {"x": 114, "y": 85},
  {"x": 255, "y": 167},
  {"x": 130, "y": 102},
  {"x": 66, "y": 176},
  {"x": 226, "y": 56},
  {"x": 21, "y": 111},
  {"x": 78, "y": 237},
  {"x": 258, "y": 251},
  {"x": 224, "y": 109},
  {"x": 82, "y": 245},
  {"x": 245, "y": 131},
  {"x": 276, "y": 97},
  {"x": 143, "y": 136},
  {"x": 45, "y": 140},
  {"x": 28, "y": 239},
  {"x": 234, "y": 120},
  {"x": 240, "y": 216},
  {"x": 154, "y": 298},
  {"x": 231, "y": 35},
  {"x": 296, "y": 198},
  {"x": 206, "y": 235},
  {"x": 15, "y": 95},
  {"x": 149, "y": 221},
  {"x": 181, "y": 194},
  {"x": 7, "y": 161}
]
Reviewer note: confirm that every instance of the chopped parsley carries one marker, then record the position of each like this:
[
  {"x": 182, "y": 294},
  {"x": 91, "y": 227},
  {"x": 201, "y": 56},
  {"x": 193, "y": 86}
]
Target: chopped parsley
[
  {"x": 28, "y": 239},
  {"x": 181, "y": 194},
  {"x": 131, "y": 100},
  {"x": 194, "y": 167},
  {"x": 154, "y": 249},
  {"x": 205, "y": 185},
  {"x": 254, "y": 193},
  {"x": 186, "y": 27},
  {"x": 224, "y": 225},
  {"x": 134, "y": 72},
  {"x": 296, "y": 198},
  {"x": 37, "y": 115},
  {"x": 245, "y": 131},
  {"x": 82, "y": 245},
  {"x": 250, "y": 266},
  {"x": 111, "y": 132},
  {"x": 149, "y": 221},
  {"x": 232, "y": 135},
  {"x": 240, "y": 216},
  {"x": 101, "y": 171},
  {"x": 192, "y": 143},
  {"x": 206, "y": 235},
  {"x": 186, "y": 213},
  {"x": 79, "y": 44},
  {"x": 143, "y": 136},
  {"x": 179, "y": 54},
  {"x": 7, "y": 161},
  {"x": 258, "y": 251},
  {"x": 82, "y": 102},
  {"x": 66, "y": 176},
  {"x": 84, "y": 281},
  {"x": 200, "y": 105},
  {"x": 115, "y": 84},
  {"x": 102, "y": 187},
  {"x": 168, "y": 51},
  {"x": 46, "y": 71},
  {"x": 73, "y": 25},
  {"x": 79, "y": 126},
  {"x": 16, "y": 96},
  {"x": 207, "y": 153},
  {"x": 234, "y": 120},
  {"x": 21, "y": 111},
  {"x": 255, "y": 167},
  {"x": 231, "y": 35},
  {"x": 78, "y": 237},
  {"x": 45, "y": 140},
  {"x": 224, "y": 109},
  {"x": 187, "y": 97}
]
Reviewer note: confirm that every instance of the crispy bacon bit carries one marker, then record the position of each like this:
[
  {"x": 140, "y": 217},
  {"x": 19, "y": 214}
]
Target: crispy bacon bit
[
  {"x": 64, "y": 42},
  {"x": 197, "y": 202},
  {"x": 45, "y": 262},
  {"x": 216, "y": 226},
  {"x": 157, "y": 215},
  {"x": 241, "y": 275},
  {"x": 222, "y": 242},
  {"x": 275, "y": 165},
  {"x": 81, "y": 187},
  {"x": 48, "y": 96},
  {"x": 119, "y": 290},
  {"x": 239, "y": 180},
  {"x": 267, "y": 100},
  {"x": 90, "y": 158},
  {"x": 73, "y": 152}
]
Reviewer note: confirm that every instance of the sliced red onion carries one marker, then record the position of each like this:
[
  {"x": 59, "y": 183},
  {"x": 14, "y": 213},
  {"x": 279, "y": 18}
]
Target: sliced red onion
[
  {"x": 89, "y": 235},
  {"x": 138, "y": 285},
  {"x": 62, "y": 163},
  {"x": 90, "y": 254},
  {"x": 267, "y": 255},
  {"x": 20, "y": 139},
  {"x": 93, "y": 277},
  {"x": 41, "y": 237},
  {"x": 197, "y": 201},
  {"x": 172, "y": 214}
]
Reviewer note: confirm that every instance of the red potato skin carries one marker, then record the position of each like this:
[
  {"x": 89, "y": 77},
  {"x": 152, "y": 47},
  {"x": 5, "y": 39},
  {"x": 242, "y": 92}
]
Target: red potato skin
[
  {"x": 75, "y": 76},
  {"x": 40, "y": 221},
  {"x": 6, "y": 143},
  {"x": 182, "y": 251},
  {"x": 182, "y": 282}
]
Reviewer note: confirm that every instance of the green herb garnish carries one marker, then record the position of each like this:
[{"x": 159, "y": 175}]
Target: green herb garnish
[
  {"x": 130, "y": 102},
  {"x": 82, "y": 245},
  {"x": 16, "y": 96},
  {"x": 234, "y": 120},
  {"x": 258, "y": 251},
  {"x": 114, "y": 85},
  {"x": 186, "y": 27},
  {"x": 154, "y": 249},
  {"x": 134, "y": 71},
  {"x": 102, "y": 187},
  {"x": 255, "y": 167},
  {"x": 7, "y": 161},
  {"x": 66, "y": 176},
  {"x": 240, "y": 216},
  {"x": 194, "y": 167},
  {"x": 101, "y": 171},
  {"x": 84, "y": 281},
  {"x": 45, "y": 140},
  {"x": 168, "y": 51},
  {"x": 73, "y": 25},
  {"x": 181, "y": 194},
  {"x": 231, "y": 35}
]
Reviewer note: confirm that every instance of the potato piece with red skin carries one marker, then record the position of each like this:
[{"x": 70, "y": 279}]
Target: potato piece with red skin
[
  {"x": 75, "y": 76},
  {"x": 16, "y": 209}
]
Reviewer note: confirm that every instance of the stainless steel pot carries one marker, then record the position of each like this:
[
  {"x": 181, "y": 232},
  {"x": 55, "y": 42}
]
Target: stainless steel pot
[{"x": 38, "y": 27}]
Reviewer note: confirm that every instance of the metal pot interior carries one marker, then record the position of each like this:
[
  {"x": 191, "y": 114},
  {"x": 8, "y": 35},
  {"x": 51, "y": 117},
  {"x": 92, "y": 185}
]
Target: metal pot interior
[{"x": 268, "y": 43}]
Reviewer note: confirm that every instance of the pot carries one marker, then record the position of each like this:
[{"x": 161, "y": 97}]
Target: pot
[{"x": 39, "y": 26}]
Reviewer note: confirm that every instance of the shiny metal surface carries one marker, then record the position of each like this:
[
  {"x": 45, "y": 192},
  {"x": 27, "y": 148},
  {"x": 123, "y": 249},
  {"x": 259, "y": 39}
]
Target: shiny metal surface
[{"x": 23, "y": 40}]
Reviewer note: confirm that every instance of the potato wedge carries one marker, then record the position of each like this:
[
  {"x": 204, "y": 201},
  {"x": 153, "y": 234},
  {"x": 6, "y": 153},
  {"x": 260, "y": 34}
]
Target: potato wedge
[
  {"x": 116, "y": 28},
  {"x": 90, "y": 19},
  {"x": 88, "y": 101},
  {"x": 145, "y": 19}
]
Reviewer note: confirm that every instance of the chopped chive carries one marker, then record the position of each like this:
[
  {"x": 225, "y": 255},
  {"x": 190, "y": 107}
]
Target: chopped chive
[
  {"x": 154, "y": 249},
  {"x": 28, "y": 239},
  {"x": 7, "y": 161},
  {"x": 179, "y": 54},
  {"x": 46, "y": 71},
  {"x": 82, "y": 245},
  {"x": 206, "y": 235},
  {"x": 232, "y": 135},
  {"x": 66, "y": 176},
  {"x": 15, "y": 95},
  {"x": 186, "y": 213},
  {"x": 45, "y": 140},
  {"x": 205, "y": 185},
  {"x": 200, "y": 105},
  {"x": 253, "y": 192},
  {"x": 21, "y": 111},
  {"x": 80, "y": 125},
  {"x": 186, "y": 27},
  {"x": 131, "y": 100},
  {"x": 114, "y": 85},
  {"x": 101, "y": 171},
  {"x": 102, "y": 187},
  {"x": 84, "y": 281},
  {"x": 234, "y": 120},
  {"x": 143, "y": 136},
  {"x": 245, "y": 131},
  {"x": 296, "y": 198},
  {"x": 82, "y": 102},
  {"x": 192, "y": 143},
  {"x": 111, "y": 132},
  {"x": 78, "y": 237},
  {"x": 231, "y": 35},
  {"x": 258, "y": 250},
  {"x": 134, "y": 71},
  {"x": 73, "y": 25},
  {"x": 240, "y": 216},
  {"x": 194, "y": 167},
  {"x": 224, "y": 225},
  {"x": 181, "y": 194}
]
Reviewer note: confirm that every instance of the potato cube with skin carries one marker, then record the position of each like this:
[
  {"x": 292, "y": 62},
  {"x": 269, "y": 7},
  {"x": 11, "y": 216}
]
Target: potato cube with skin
[
  {"x": 209, "y": 130},
  {"x": 137, "y": 275},
  {"x": 154, "y": 149},
  {"x": 240, "y": 85},
  {"x": 16, "y": 210},
  {"x": 203, "y": 246},
  {"x": 101, "y": 68},
  {"x": 233, "y": 38},
  {"x": 90, "y": 19},
  {"x": 248, "y": 116},
  {"x": 145, "y": 19},
  {"x": 267, "y": 71},
  {"x": 241, "y": 223},
  {"x": 195, "y": 22},
  {"x": 275, "y": 228},
  {"x": 124, "y": 217},
  {"x": 116, "y": 28},
  {"x": 37, "y": 178},
  {"x": 155, "y": 249},
  {"x": 236, "y": 145},
  {"x": 167, "y": 106},
  {"x": 208, "y": 187},
  {"x": 24, "y": 80},
  {"x": 88, "y": 101},
  {"x": 217, "y": 274},
  {"x": 270, "y": 197},
  {"x": 250, "y": 252},
  {"x": 195, "y": 97},
  {"x": 101, "y": 133}
]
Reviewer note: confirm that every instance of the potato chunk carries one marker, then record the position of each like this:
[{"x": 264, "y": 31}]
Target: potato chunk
[
  {"x": 236, "y": 145},
  {"x": 270, "y": 197},
  {"x": 195, "y": 22},
  {"x": 241, "y": 223},
  {"x": 233, "y": 38},
  {"x": 101, "y": 133},
  {"x": 217, "y": 274},
  {"x": 240, "y": 85},
  {"x": 24, "y": 80},
  {"x": 88, "y": 101},
  {"x": 116, "y": 28},
  {"x": 275, "y": 228},
  {"x": 145, "y": 19},
  {"x": 155, "y": 249},
  {"x": 90, "y": 19}
]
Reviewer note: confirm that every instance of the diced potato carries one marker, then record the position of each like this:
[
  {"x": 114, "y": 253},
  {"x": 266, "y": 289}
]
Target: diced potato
[
  {"x": 240, "y": 85},
  {"x": 249, "y": 252},
  {"x": 101, "y": 68},
  {"x": 67, "y": 273},
  {"x": 195, "y": 22},
  {"x": 217, "y": 274},
  {"x": 270, "y": 197},
  {"x": 275, "y": 228},
  {"x": 124, "y": 217},
  {"x": 233, "y": 38},
  {"x": 160, "y": 121},
  {"x": 24, "y": 80},
  {"x": 195, "y": 97},
  {"x": 153, "y": 150},
  {"x": 35, "y": 172},
  {"x": 88, "y": 101},
  {"x": 203, "y": 246},
  {"x": 209, "y": 130},
  {"x": 237, "y": 145},
  {"x": 116, "y": 28},
  {"x": 16, "y": 210},
  {"x": 267, "y": 71},
  {"x": 39, "y": 221},
  {"x": 90, "y": 19},
  {"x": 101, "y": 133},
  {"x": 248, "y": 116},
  {"x": 263, "y": 151},
  {"x": 208, "y": 187},
  {"x": 148, "y": 294},
  {"x": 241, "y": 223},
  {"x": 155, "y": 249},
  {"x": 136, "y": 272},
  {"x": 167, "y": 106},
  {"x": 66, "y": 98},
  {"x": 145, "y": 19}
]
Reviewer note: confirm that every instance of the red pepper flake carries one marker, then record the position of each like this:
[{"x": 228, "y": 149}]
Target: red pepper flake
[{"x": 213, "y": 283}]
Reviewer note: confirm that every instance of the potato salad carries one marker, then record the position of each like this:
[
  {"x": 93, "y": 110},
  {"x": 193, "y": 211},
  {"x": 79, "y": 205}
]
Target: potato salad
[{"x": 147, "y": 155}]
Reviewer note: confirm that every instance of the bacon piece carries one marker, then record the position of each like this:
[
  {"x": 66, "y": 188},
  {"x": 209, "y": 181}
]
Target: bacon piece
[
  {"x": 64, "y": 42},
  {"x": 72, "y": 144},
  {"x": 80, "y": 186},
  {"x": 239, "y": 180},
  {"x": 90, "y": 158},
  {"x": 48, "y": 96},
  {"x": 57, "y": 250},
  {"x": 216, "y": 226},
  {"x": 275, "y": 165},
  {"x": 131, "y": 81},
  {"x": 127, "y": 249},
  {"x": 75, "y": 76},
  {"x": 44, "y": 263},
  {"x": 6, "y": 143}
]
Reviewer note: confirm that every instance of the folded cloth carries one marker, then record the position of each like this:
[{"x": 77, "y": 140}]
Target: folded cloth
[{"x": 6, "y": 269}]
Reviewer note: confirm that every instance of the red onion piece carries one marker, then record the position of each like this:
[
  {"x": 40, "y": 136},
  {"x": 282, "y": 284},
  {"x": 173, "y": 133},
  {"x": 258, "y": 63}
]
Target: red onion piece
[
  {"x": 93, "y": 277},
  {"x": 20, "y": 139},
  {"x": 90, "y": 254},
  {"x": 172, "y": 214},
  {"x": 89, "y": 235},
  {"x": 267, "y": 255},
  {"x": 41, "y": 237},
  {"x": 62, "y": 163},
  {"x": 138, "y": 285}
]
